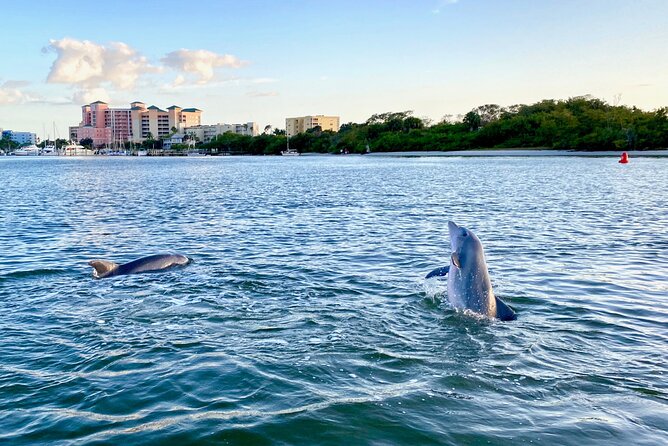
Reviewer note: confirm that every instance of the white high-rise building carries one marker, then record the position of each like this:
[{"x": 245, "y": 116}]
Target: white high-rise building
[
  {"x": 20, "y": 137},
  {"x": 206, "y": 133}
]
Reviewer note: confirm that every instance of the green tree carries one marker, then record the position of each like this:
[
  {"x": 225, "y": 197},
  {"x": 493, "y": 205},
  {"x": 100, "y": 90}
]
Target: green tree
[
  {"x": 7, "y": 145},
  {"x": 472, "y": 121}
]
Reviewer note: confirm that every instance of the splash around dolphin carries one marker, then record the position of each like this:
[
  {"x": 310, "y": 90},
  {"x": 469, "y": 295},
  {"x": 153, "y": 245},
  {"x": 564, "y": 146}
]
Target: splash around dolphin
[
  {"x": 154, "y": 263},
  {"x": 469, "y": 286}
]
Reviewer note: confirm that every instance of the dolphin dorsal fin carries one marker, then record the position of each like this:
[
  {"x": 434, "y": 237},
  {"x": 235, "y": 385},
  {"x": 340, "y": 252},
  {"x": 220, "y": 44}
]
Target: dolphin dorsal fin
[{"x": 102, "y": 268}]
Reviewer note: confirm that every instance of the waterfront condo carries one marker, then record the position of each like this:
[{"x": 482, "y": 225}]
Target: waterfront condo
[
  {"x": 304, "y": 123},
  {"x": 106, "y": 126}
]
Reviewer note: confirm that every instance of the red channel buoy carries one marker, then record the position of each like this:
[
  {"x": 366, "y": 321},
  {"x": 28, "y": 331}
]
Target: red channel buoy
[{"x": 625, "y": 158}]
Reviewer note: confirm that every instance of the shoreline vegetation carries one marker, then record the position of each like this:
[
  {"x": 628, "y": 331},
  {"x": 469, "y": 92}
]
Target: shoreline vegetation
[
  {"x": 581, "y": 123},
  {"x": 528, "y": 152}
]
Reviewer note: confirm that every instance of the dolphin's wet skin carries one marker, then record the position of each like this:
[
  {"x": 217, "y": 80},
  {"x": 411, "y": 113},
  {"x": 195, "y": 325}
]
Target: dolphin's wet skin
[
  {"x": 149, "y": 264},
  {"x": 305, "y": 318},
  {"x": 469, "y": 285}
]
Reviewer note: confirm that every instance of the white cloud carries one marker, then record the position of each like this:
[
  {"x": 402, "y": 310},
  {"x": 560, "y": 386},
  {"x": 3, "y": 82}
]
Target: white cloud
[
  {"x": 86, "y": 96},
  {"x": 199, "y": 63},
  {"x": 124, "y": 66},
  {"x": 180, "y": 80},
  {"x": 11, "y": 93},
  {"x": 89, "y": 67},
  {"x": 95, "y": 71},
  {"x": 10, "y": 96},
  {"x": 87, "y": 64}
]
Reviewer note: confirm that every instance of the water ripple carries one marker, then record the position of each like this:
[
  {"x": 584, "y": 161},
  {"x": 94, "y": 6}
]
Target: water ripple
[{"x": 305, "y": 319}]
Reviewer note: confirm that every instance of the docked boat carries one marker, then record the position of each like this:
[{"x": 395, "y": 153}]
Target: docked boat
[
  {"x": 50, "y": 145},
  {"x": 31, "y": 150},
  {"x": 49, "y": 151},
  {"x": 77, "y": 150}
]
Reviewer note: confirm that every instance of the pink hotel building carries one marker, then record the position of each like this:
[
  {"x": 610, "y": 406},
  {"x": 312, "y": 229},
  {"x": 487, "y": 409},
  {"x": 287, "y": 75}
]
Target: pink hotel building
[{"x": 106, "y": 125}]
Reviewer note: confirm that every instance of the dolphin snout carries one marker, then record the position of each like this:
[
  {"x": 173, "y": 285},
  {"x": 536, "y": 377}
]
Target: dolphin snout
[{"x": 452, "y": 226}]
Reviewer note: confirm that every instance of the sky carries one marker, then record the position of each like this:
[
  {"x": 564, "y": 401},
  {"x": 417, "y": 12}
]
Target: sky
[{"x": 263, "y": 61}]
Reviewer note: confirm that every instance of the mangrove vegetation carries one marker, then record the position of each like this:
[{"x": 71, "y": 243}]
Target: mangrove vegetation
[{"x": 579, "y": 123}]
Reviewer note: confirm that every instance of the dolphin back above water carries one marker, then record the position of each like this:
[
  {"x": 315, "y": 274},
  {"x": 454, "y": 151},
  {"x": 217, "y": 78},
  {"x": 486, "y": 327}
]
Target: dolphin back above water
[
  {"x": 469, "y": 286},
  {"x": 158, "y": 262}
]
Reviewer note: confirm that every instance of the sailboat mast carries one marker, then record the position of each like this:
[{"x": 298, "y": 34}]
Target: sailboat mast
[{"x": 55, "y": 140}]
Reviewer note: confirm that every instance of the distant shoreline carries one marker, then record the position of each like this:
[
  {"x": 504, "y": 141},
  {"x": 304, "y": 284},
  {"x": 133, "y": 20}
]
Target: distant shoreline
[
  {"x": 526, "y": 152},
  {"x": 662, "y": 153}
]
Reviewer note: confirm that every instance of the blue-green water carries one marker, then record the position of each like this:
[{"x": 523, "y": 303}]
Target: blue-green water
[{"x": 305, "y": 318}]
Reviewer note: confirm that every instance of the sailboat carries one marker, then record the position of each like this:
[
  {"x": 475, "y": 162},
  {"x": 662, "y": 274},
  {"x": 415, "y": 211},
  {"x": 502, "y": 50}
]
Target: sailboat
[
  {"x": 288, "y": 151},
  {"x": 50, "y": 150},
  {"x": 117, "y": 147}
]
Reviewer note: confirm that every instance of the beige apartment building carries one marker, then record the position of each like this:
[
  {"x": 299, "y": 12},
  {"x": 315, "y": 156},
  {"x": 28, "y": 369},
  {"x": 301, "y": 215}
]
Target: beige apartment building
[
  {"x": 158, "y": 122},
  {"x": 105, "y": 125},
  {"x": 304, "y": 123}
]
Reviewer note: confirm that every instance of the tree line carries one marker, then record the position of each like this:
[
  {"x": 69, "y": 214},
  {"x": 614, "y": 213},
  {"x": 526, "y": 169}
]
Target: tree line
[{"x": 578, "y": 123}]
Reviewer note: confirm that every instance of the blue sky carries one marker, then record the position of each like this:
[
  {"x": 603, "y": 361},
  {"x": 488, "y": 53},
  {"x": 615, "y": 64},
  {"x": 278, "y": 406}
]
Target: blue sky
[{"x": 266, "y": 60}]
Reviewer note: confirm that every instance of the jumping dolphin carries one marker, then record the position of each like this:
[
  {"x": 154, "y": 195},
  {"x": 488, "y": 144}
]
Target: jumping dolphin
[
  {"x": 158, "y": 262},
  {"x": 469, "y": 286}
]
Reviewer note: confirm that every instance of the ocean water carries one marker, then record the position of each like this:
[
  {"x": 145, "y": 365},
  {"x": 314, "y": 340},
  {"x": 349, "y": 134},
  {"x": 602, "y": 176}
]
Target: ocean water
[{"x": 305, "y": 318}]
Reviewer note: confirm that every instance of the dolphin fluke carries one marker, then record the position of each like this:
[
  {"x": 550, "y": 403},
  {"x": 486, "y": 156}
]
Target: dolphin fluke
[
  {"x": 503, "y": 311},
  {"x": 102, "y": 268}
]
